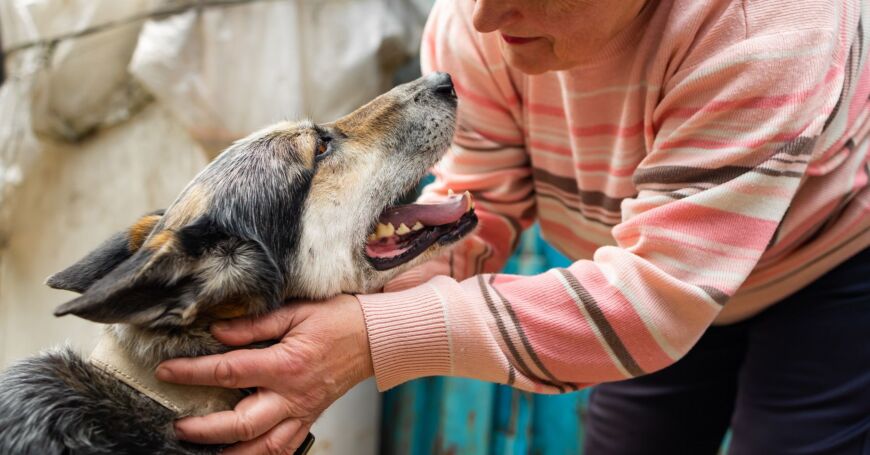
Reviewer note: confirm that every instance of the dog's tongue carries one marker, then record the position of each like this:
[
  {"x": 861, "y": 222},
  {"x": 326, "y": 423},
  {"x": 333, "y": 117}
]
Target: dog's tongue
[
  {"x": 386, "y": 247},
  {"x": 435, "y": 214},
  {"x": 398, "y": 226}
]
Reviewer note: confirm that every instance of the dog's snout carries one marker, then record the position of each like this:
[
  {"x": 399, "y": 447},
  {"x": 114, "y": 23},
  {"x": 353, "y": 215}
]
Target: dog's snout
[{"x": 441, "y": 84}]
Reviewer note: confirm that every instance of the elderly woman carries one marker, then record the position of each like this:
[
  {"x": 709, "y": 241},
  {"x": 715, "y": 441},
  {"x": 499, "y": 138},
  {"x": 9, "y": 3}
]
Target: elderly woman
[{"x": 704, "y": 163}]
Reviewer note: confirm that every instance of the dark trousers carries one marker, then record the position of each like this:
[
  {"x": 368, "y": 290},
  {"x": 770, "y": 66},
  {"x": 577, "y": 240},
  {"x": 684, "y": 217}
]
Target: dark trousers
[{"x": 794, "y": 379}]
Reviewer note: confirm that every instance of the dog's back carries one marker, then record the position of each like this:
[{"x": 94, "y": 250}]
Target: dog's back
[{"x": 57, "y": 403}]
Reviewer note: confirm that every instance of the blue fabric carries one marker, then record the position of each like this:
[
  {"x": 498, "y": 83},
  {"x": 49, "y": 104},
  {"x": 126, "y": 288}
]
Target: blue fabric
[{"x": 794, "y": 379}]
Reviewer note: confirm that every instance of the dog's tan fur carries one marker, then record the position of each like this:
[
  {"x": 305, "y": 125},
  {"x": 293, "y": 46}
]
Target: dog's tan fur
[
  {"x": 140, "y": 231},
  {"x": 193, "y": 203}
]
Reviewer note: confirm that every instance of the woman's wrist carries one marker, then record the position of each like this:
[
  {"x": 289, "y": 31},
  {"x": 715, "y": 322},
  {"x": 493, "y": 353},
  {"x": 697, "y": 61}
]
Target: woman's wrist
[
  {"x": 400, "y": 326},
  {"x": 365, "y": 367}
]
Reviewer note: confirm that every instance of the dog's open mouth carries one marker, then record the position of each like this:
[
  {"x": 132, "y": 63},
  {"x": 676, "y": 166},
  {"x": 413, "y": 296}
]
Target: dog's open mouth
[{"x": 404, "y": 232}]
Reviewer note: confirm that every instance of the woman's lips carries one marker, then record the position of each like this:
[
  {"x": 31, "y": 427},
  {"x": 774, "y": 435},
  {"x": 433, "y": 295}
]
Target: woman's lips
[{"x": 517, "y": 39}]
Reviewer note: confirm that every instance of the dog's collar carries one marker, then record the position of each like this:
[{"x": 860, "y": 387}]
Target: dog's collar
[{"x": 184, "y": 400}]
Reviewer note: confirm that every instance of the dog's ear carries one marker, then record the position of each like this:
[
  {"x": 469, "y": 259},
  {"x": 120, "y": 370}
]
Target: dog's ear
[
  {"x": 118, "y": 248},
  {"x": 176, "y": 277}
]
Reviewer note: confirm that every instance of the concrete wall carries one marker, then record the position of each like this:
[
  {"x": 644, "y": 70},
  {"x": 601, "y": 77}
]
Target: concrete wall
[{"x": 76, "y": 196}]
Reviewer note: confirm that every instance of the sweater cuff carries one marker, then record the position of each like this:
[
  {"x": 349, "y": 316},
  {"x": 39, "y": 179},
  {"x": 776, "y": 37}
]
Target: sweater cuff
[{"x": 407, "y": 333}]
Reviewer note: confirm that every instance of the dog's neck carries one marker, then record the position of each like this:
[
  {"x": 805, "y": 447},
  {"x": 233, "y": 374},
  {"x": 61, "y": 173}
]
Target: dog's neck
[{"x": 113, "y": 357}]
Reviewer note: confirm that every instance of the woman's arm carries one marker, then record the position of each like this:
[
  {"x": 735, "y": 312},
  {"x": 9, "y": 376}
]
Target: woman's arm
[
  {"x": 750, "y": 114},
  {"x": 734, "y": 134}
]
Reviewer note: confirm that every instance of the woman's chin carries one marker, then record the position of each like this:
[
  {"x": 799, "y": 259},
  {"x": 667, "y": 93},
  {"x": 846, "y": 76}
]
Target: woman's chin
[{"x": 529, "y": 59}]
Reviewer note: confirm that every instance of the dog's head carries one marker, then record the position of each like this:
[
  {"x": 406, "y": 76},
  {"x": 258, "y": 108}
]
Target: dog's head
[{"x": 297, "y": 210}]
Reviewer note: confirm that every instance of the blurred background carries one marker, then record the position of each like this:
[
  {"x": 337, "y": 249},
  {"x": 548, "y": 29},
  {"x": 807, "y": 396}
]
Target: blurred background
[{"x": 109, "y": 107}]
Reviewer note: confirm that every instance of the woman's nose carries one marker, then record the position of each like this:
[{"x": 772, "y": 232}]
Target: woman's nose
[{"x": 491, "y": 15}]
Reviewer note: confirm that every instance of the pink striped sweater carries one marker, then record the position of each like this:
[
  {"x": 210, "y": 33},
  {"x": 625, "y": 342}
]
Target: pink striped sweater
[{"x": 711, "y": 160}]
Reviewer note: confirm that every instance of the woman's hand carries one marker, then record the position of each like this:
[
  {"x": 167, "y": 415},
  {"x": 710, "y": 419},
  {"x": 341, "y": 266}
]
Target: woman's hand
[{"x": 322, "y": 353}]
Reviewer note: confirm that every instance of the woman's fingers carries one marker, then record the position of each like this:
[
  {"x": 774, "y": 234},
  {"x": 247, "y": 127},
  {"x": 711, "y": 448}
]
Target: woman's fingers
[
  {"x": 283, "y": 440},
  {"x": 232, "y": 370},
  {"x": 254, "y": 416},
  {"x": 322, "y": 353},
  {"x": 244, "y": 331}
]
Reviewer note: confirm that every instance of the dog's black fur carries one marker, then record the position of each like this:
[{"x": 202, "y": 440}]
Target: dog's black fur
[
  {"x": 282, "y": 214},
  {"x": 59, "y": 404}
]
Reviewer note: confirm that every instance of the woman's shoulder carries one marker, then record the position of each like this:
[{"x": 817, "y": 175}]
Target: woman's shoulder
[
  {"x": 450, "y": 28},
  {"x": 451, "y": 44},
  {"x": 756, "y": 18},
  {"x": 770, "y": 17},
  {"x": 691, "y": 32}
]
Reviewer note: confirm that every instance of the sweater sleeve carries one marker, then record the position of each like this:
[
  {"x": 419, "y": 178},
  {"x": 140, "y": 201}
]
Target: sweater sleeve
[
  {"x": 488, "y": 155},
  {"x": 733, "y": 137}
]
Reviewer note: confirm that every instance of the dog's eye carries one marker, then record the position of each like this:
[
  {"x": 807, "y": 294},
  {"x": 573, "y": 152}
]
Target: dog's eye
[{"x": 324, "y": 146}]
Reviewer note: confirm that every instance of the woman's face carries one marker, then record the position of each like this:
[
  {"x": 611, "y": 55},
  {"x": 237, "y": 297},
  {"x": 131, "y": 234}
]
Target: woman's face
[{"x": 547, "y": 35}]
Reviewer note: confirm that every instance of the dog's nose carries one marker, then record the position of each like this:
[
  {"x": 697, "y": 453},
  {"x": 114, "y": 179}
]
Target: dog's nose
[{"x": 441, "y": 84}]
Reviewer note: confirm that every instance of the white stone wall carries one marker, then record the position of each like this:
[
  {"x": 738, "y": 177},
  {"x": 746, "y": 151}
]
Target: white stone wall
[{"x": 76, "y": 196}]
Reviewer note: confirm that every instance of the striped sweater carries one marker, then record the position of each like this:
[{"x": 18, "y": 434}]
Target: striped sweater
[{"x": 709, "y": 161}]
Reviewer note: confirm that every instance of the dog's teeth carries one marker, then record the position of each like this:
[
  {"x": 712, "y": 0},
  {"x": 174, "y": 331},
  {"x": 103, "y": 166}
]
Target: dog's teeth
[
  {"x": 372, "y": 237},
  {"x": 403, "y": 229},
  {"x": 449, "y": 192},
  {"x": 470, "y": 201},
  {"x": 385, "y": 230},
  {"x": 417, "y": 226}
]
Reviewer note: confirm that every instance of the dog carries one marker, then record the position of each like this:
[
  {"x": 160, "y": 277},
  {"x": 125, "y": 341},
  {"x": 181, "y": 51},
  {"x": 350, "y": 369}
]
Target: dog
[{"x": 294, "y": 211}]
